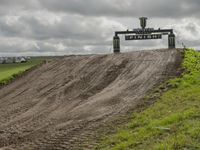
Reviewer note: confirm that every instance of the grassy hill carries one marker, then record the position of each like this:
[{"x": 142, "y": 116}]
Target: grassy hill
[{"x": 172, "y": 123}]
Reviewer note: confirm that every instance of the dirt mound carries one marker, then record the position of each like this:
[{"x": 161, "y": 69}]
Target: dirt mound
[{"x": 58, "y": 105}]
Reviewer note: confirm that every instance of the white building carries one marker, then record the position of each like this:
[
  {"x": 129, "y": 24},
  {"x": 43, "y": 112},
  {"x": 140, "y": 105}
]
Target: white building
[{"x": 9, "y": 60}]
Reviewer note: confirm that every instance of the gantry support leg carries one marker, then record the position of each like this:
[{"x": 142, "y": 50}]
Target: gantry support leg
[
  {"x": 116, "y": 44},
  {"x": 171, "y": 41}
]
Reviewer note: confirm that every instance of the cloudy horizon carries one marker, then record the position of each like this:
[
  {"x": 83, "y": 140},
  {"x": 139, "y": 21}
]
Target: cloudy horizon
[{"x": 50, "y": 27}]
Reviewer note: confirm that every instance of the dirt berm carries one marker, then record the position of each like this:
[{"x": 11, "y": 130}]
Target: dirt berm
[{"x": 60, "y": 104}]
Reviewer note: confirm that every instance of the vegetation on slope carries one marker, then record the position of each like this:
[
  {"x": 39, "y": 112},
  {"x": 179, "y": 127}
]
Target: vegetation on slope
[
  {"x": 8, "y": 72},
  {"x": 173, "y": 122}
]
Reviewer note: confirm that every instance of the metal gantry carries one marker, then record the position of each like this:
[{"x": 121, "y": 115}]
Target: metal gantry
[{"x": 144, "y": 33}]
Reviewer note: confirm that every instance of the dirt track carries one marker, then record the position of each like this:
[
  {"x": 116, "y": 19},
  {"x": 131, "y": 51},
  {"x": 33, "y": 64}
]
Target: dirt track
[{"x": 60, "y": 104}]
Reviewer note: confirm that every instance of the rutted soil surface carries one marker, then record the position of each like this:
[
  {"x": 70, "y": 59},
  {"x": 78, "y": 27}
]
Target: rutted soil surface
[{"x": 60, "y": 104}]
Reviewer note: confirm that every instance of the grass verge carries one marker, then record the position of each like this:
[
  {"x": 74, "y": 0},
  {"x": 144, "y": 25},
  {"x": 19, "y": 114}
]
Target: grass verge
[
  {"x": 172, "y": 123},
  {"x": 9, "y": 72}
]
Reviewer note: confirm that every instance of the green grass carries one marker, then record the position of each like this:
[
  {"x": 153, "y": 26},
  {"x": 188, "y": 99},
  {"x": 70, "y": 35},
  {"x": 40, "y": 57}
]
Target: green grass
[
  {"x": 172, "y": 123},
  {"x": 10, "y": 71}
]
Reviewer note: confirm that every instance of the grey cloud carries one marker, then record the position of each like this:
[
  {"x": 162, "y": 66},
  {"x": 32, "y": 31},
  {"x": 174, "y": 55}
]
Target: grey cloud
[
  {"x": 128, "y": 8},
  {"x": 191, "y": 27},
  {"x": 50, "y": 27},
  {"x": 69, "y": 27},
  {"x": 21, "y": 48},
  {"x": 15, "y": 6},
  {"x": 117, "y": 8},
  {"x": 74, "y": 32}
]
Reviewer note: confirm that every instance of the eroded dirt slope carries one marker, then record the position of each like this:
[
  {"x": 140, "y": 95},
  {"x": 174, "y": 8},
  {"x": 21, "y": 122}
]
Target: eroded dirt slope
[{"x": 60, "y": 104}]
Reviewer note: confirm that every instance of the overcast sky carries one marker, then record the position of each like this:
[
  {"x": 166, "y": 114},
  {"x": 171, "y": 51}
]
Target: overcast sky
[{"x": 61, "y": 27}]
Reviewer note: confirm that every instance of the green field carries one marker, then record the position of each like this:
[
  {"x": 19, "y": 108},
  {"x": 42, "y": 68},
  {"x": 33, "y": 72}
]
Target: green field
[
  {"x": 10, "y": 71},
  {"x": 172, "y": 123}
]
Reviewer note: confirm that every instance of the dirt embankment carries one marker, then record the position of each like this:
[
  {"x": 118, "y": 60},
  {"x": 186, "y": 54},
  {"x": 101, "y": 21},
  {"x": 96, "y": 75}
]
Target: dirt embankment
[{"x": 60, "y": 104}]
